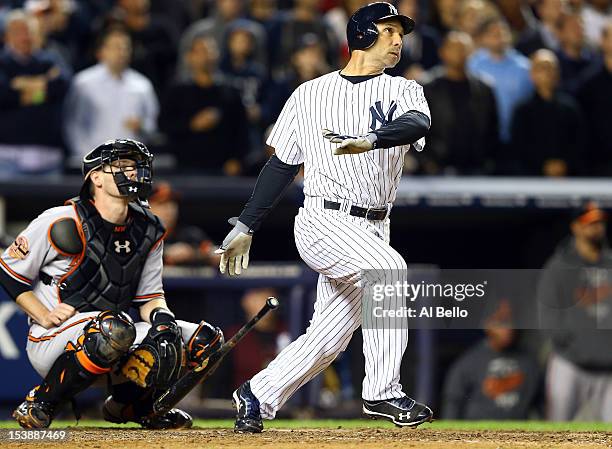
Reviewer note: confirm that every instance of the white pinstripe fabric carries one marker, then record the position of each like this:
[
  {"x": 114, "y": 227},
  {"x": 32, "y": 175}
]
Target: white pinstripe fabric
[
  {"x": 332, "y": 102},
  {"x": 340, "y": 247}
]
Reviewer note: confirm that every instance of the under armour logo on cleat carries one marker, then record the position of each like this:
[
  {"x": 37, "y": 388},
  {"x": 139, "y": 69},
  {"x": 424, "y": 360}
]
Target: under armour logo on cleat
[
  {"x": 405, "y": 416},
  {"x": 125, "y": 246}
]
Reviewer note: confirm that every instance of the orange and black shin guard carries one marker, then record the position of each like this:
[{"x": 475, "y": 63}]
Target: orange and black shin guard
[{"x": 71, "y": 373}]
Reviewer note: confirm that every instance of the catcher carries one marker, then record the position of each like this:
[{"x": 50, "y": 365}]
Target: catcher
[{"x": 76, "y": 270}]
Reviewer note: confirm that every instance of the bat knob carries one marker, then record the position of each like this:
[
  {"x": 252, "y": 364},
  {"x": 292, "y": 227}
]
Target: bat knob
[{"x": 272, "y": 302}]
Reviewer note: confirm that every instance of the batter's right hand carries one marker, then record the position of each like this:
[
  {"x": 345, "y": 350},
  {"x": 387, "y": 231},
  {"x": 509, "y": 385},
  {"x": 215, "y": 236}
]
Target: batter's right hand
[
  {"x": 235, "y": 249},
  {"x": 58, "y": 315}
]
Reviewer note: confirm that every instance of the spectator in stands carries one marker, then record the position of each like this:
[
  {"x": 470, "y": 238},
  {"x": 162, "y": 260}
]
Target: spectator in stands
[
  {"x": 64, "y": 25},
  {"x": 33, "y": 85},
  {"x": 575, "y": 58},
  {"x": 305, "y": 19},
  {"x": 306, "y": 63},
  {"x": 463, "y": 138},
  {"x": 514, "y": 12},
  {"x": 215, "y": 26},
  {"x": 544, "y": 32},
  {"x": 337, "y": 19},
  {"x": 575, "y": 301},
  {"x": 497, "y": 379},
  {"x": 472, "y": 13},
  {"x": 444, "y": 15},
  {"x": 178, "y": 12},
  {"x": 183, "y": 245},
  {"x": 594, "y": 97},
  {"x": 263, "y": 343},
  {"x": 109, "y": 100},
  {"x": 241, "y": 70},
  {"x": 595, "y": 14},
  {"x": 419, "y": 49},
  {"x": 548, "y": 131},
  {"x": 266, "y": 13},
  {"x": 154, "y": 40},
  {"x": 40, "y": 41},
  {"x": 204, "y": 119},
  {"x": 502, "y": 67}
]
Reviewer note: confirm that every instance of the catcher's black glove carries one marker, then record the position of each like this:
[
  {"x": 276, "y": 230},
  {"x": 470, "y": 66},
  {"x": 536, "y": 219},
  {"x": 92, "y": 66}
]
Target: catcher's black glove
[{"x": 158, "y": 360}]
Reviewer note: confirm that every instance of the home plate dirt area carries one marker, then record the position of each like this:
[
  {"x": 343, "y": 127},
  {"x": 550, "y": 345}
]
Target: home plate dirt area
[{"x": 431, "y": 437}]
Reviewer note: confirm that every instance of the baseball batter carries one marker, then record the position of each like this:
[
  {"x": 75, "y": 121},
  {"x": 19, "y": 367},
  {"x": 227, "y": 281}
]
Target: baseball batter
[
  {"x": 76, "y": 270},
  {"x": 350, "y": 129}
]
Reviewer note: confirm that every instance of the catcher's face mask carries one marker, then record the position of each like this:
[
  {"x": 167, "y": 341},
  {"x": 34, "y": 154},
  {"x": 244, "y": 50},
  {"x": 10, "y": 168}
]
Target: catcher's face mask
[{"x": 130, "y": 163}]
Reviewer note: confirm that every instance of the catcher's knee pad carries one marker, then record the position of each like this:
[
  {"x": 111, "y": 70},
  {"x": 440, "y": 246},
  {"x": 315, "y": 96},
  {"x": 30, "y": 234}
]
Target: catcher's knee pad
[
  {"x": 107, "y": 337},
  {"x": 203, "y": 343}
]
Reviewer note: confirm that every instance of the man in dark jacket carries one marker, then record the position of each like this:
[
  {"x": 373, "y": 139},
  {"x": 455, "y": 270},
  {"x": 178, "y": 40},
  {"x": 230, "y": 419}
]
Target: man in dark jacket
[
  {"x": 32, "y": 89},
  {"x": 463, "y": 137},
  {"x": 548, "y": 134},
  {"x": 204, "y": 119},
  {"x": 594, "y": 97},
  {"x": 496, "y": 379},
  {"x": 575, "y": 301}
]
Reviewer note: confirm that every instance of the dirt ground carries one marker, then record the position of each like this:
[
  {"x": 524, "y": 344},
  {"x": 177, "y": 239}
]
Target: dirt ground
[{"x": 89, "y": 438}]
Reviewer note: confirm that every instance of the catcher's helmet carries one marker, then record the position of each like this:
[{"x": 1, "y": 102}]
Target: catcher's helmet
[
  {"x": 361, "y": 31},
  {"x": 114, "y": 150}
]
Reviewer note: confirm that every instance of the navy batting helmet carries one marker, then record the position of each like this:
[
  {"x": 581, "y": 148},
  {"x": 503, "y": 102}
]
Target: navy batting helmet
[{"x": 361, "y": 31}]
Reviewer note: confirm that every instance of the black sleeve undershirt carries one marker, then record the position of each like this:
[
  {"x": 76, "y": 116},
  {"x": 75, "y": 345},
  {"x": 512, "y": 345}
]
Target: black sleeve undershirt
[
  {"x": 274, "y": 178},
  {"x": 406, "y": 129},
  {"x": 11, "y": 286}
]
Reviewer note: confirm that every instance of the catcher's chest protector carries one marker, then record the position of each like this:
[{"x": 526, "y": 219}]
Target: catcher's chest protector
[{"x": 108, "y": 273}]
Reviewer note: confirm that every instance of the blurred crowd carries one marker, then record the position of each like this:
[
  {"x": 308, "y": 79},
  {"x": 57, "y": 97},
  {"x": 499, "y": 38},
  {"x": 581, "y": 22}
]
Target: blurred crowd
[{"x": 515, "y": 87}]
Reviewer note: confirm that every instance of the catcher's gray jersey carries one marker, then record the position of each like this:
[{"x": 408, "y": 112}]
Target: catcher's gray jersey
[
  {"x": 33, "y": 251},
  {"x": 333, "y": 102}
]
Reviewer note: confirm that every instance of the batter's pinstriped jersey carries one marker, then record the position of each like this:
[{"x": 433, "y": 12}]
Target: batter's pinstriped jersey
[
  {"x": 368, "y": 179},
  {"x": 341, "y": 247}
]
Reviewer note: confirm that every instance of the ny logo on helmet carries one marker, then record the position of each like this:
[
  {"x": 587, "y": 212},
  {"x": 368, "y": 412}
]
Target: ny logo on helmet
[
  {"x": 378, "y": 115},
  {"x": 125, "y": 246}
]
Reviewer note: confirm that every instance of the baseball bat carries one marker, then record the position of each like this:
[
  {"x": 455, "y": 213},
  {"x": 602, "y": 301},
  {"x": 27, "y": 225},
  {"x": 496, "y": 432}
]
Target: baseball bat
[{"x": 189, "y": 380}]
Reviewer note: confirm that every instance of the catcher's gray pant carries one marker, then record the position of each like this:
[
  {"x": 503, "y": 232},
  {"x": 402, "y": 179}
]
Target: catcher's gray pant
[
  {"x": 339, "y": 247},
  {"x": 46, "y": 345},
  {"x": 576, "y": 394}
]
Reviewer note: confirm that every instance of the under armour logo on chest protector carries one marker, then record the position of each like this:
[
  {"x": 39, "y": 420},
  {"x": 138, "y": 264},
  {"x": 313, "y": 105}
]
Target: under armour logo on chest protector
[{"x": 122, "y": 246}]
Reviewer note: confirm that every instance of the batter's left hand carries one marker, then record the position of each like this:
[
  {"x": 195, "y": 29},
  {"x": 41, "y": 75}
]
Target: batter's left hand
[
  {"x": 235, "y": 249},
  {"x": 350, "y": 144}
]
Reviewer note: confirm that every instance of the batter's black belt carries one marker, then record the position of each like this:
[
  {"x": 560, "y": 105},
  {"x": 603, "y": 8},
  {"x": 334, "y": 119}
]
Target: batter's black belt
[{"x": 361, "y": 212}]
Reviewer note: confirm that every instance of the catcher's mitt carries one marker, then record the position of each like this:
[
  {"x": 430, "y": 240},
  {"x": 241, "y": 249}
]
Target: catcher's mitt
[{"x": 158, "y": 360}]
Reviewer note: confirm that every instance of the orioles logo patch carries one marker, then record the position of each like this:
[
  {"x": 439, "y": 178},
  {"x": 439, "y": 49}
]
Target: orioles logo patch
[{"x": 20, "y": 248}]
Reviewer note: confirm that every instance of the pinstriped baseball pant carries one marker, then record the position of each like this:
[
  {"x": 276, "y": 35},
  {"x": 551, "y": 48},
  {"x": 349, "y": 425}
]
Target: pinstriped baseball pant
[{"x": 339, "y": 247}]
